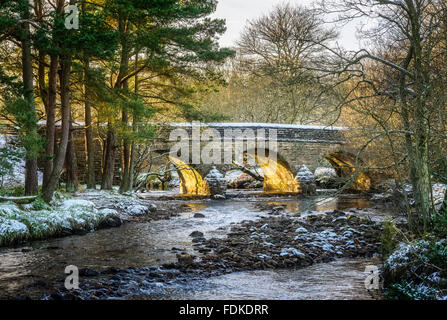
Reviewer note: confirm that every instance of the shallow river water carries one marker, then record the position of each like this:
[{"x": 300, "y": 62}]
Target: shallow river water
[{"x": 27, "y": 270}]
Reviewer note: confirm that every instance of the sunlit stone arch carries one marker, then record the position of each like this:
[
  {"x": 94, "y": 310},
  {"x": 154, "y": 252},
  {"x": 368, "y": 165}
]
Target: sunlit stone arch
[
  {"x": 344, "y": 164},
  {"x": 191, "y": 181},
  {"x": 278, "y": 176}
]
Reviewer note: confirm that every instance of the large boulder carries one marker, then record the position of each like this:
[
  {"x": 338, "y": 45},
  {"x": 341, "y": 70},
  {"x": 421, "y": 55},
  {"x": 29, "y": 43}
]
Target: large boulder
[
  {"x": 306, "y": 180},
  {"x": 326, "y": 178},
  {"x": 236, "y": 179},
  {"x": 216, "y": 182}
]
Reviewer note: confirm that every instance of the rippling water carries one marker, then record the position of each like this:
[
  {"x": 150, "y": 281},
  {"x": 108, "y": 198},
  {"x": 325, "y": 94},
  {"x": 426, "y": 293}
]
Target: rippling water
[
  {"x": 338, "y": 280},
  {"x": 25, "y": 270}
]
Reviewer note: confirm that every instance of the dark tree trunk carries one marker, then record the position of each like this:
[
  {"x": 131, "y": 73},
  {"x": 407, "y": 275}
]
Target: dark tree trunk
[
  {"x": 91, "y": 183},
  {"x": 49, "y": 189},
  {"x": 43, "y": 92},
  {"x": 133, "y": 152},
  {"x": 31, "y": 182},
  {"x": 51, "y": 120},
  {"x": 126, "y": 155},
  {"x": 71, "y": 166},
  {"x": 109, "y": 160},
  {"x": 125, "y": 179}
]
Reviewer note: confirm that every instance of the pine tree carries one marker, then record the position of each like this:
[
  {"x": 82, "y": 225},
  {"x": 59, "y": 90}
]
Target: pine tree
[
  {"x": 15, "y": 21},
  {"x": 92, "y": 39},
  {"x": 170, "y": 37}
]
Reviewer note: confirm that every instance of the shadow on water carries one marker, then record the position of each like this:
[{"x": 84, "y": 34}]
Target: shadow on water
[{"x": 27, "y": 269}]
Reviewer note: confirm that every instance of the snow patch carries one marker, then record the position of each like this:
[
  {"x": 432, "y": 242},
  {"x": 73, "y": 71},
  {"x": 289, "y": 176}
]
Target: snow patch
[
  {"x": 291, "y": 252},
  {"x": 137, "y": 210}
]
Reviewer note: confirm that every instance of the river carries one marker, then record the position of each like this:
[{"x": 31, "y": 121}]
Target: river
[{"x": 29, "y": 270}]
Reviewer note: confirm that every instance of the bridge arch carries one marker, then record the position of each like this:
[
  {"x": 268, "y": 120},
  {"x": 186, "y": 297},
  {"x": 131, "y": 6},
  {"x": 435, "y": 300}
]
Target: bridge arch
[
  {"x": 344, "y": 165},
  {"x": 278, "y": 176},
  {"x": 191, "y": 181}
]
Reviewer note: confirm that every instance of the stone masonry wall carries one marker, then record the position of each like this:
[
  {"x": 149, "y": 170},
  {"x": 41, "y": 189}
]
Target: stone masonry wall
[{"x": 297, "y": 145}]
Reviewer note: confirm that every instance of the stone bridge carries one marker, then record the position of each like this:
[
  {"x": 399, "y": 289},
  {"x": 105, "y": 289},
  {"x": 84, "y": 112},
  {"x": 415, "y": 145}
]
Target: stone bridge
[{"x": 286, "y": 149}]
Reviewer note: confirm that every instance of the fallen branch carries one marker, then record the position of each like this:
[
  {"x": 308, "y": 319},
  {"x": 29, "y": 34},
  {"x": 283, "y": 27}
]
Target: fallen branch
[
  {"x": 248, "y": 171},
  {"x": 27, "y": 199}
]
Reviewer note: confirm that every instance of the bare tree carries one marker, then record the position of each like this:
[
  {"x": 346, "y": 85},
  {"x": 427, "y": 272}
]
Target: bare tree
[
  {"x": 406, "y": 34},
  {"x": 273, "y": 51}
]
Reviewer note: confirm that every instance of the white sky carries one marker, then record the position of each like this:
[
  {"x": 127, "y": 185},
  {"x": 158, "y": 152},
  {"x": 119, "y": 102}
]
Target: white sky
[{"x": 237, "y": 12}]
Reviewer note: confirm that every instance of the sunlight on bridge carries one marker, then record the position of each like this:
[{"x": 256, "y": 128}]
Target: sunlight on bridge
[
  {"x": 191, "y": 182},
  {"x": 278, "y": 177}
]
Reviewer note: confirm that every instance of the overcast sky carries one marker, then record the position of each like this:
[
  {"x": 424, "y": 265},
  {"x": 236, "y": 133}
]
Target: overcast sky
[{"x": 237, "y": 12}]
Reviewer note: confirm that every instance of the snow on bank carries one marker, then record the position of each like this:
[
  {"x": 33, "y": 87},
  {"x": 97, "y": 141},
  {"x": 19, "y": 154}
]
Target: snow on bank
[
  {"x": 413, "y": 270},
  {"x": 124, "y": 204},
  {"x": 70, "y": 216}
]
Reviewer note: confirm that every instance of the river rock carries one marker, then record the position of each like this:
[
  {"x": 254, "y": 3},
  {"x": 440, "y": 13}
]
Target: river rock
[
  {"x": 301, "y": 230},
  {"x": 186, "y": 258},
  {"x": 111, "y": 221},
  {"x": 87, "y": 272},
  {"x": 236, "y": 179},
  {"x": 216, "y": 182},
  {"x": 306, "y": 180},
  {"x": 152, "y": 208},
  {"x": 137, "y": 210},
  {"x": 196, "y": 234},
  {"x": 325, "y": 177}
]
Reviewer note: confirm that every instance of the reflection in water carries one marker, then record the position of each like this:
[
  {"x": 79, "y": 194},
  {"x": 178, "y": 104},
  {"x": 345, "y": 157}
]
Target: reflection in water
[
  {"x": 288, "y": 206},
  {"x": 322, "y": 205},
  {"x": 136, "y": 245},
  {"x": 195, "y": 207}
]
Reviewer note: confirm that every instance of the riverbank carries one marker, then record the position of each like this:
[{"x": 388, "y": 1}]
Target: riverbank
[
  {"x": 78, "y": 213},
  {"x": 22, "y": 223}
]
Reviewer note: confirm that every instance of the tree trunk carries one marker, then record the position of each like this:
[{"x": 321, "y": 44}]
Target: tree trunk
[
  {"x": 133, "y": 147},
  {"x": 109, "y": 160},
  {"x": 71, "y": 166},
  {"x": 132, "y": 166},
  {"x": 422, "y": 190},
  {"x": 422, "y": 184},
  {"x": 43, "y": 92},
  {"x": 125, "y": 179},
  {"x": 133, "y": 153},
  {"x": 91, "y": 183},
  {"x": 123, "y": 83},
  {"x": 50, "y": 130},
  {"x": 31, "y": 182},
  {"x": 48, "y": 191}
]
